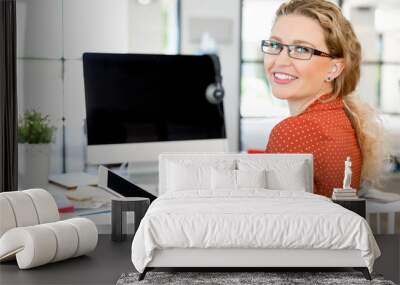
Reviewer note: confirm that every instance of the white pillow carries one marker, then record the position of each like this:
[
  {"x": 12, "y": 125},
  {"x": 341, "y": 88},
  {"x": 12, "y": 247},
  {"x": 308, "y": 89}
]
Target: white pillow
[
  {"x": 293, "y": 180},
  {"x": 193, "y": 174},
  {"x": 187, "y": 177},
  {"x": 187, "y": 174},
  {"x": 223, "y": 179},
  {"x": 237, "y": 179},
  {"x": 282, "y": 174},
  {"x": 251, "y": 178}
]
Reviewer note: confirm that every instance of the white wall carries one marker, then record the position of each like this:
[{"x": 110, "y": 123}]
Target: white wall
[
  {"x": 39, "y": 70},
  {"x": 145, "y": 27},
  {"x": 47, "y": 32},
  {"x": 228, "y": 10}
]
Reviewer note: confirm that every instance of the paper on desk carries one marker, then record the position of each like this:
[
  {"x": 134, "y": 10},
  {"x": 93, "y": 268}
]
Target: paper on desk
[
  {"x": 73, "y": 180},
  {"x": 88, "y": 204},
  {"x": 88, "y": 197}
]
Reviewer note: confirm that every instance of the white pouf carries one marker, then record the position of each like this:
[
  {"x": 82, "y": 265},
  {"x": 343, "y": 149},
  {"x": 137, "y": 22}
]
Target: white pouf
[
  {"x": 22, "y": 207},
  {"x": 37, "y": 245},
  {"x": 26, "y": 208},
  {"x": 7, "y": 216},
  {"x": 31, "y": 232}
]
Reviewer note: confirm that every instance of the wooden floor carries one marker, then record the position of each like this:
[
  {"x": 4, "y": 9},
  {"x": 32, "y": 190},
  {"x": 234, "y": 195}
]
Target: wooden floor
[{"x": 103, "y": 266}]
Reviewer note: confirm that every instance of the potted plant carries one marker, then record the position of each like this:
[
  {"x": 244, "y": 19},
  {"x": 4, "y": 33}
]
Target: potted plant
[{"x": 34, "y": 137}]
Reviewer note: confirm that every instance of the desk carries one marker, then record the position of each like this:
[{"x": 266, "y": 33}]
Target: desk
[{"x": 102, "y": 216}]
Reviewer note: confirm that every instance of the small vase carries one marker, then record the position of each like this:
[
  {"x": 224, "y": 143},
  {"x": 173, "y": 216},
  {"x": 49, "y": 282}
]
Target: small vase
[{"x": 33, "y": 165}]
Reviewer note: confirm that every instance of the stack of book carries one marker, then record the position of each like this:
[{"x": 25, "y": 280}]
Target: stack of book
[{"x": 344, "y": 194}]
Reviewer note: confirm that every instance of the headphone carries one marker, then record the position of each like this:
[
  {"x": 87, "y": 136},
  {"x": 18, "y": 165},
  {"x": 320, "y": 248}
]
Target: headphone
[{"x": 215, "y": 92}]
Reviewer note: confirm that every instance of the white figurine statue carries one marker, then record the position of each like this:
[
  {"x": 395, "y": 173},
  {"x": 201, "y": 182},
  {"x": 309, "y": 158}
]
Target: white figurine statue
[{"x": 347, "y": 174}]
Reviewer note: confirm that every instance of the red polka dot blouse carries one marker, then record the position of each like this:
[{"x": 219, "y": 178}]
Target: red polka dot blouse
[{"x": 325, "y": 131}]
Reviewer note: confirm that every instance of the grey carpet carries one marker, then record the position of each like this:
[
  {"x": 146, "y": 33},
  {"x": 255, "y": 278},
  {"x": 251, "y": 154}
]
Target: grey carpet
[{"x": 242, "y": 278}]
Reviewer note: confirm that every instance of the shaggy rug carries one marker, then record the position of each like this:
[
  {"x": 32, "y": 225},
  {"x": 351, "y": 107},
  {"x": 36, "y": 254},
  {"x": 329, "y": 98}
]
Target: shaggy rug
[{"x": 243, "y": 278}]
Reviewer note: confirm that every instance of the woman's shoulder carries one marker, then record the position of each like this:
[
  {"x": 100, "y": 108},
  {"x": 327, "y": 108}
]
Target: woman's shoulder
[
  {"x": 296, "y": 134},
  {"x": 298, "y": 125}
]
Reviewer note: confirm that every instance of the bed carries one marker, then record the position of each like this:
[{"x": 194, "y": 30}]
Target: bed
[{"x": 244, "y": 211}]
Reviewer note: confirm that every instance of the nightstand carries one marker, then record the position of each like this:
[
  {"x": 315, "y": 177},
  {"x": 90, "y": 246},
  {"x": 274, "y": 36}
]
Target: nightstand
[
  {"x": 355, "y": 205},
  {"x": 120, "y": 206}
]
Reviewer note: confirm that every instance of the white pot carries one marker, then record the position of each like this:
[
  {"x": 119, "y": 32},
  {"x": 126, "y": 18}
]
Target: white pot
[{"x": 33, "y": 165}]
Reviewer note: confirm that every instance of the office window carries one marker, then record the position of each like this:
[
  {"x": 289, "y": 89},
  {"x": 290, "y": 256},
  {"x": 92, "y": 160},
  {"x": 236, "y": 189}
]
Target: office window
[{"x": 378, "y": 30}]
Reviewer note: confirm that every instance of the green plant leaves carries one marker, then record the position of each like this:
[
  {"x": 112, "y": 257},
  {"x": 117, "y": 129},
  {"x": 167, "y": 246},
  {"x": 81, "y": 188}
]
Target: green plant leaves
[{"x": 33, "y": 128}]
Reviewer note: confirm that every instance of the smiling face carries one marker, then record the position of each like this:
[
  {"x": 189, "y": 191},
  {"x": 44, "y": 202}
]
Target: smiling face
[{"x": 298, "y": 81}]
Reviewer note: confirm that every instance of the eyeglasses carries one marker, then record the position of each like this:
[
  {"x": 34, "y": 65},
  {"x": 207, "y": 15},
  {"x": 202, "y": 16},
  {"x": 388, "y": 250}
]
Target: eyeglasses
[{"x": 294, "y": 51}]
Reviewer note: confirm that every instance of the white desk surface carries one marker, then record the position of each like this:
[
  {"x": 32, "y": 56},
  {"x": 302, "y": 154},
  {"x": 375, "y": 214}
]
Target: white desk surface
[{"x": 100, "y": 216}]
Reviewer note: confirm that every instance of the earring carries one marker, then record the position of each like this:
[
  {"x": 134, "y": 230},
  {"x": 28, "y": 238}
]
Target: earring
[{"x": 328, "y": 79}]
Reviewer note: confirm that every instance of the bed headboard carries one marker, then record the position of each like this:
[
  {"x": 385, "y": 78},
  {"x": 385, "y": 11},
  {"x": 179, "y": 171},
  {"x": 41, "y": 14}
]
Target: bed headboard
[{"x": 288, "y": 163}]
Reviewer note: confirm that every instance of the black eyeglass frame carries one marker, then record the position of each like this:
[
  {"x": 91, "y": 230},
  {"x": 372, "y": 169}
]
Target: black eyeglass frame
[{"x": 291, "y": 47}]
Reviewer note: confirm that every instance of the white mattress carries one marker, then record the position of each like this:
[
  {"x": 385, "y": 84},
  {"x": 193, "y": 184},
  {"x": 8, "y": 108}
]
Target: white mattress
[{"x": 250, "y": 218}]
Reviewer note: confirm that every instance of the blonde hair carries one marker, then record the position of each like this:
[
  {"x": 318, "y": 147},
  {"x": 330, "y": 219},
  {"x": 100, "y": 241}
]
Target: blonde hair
[{"x": 342, "y": 43}]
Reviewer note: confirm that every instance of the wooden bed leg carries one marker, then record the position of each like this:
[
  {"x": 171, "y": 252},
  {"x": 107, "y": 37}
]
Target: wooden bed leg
[
  {"x": 142, "y": 275},
  {"x": 364, "y": 271}
]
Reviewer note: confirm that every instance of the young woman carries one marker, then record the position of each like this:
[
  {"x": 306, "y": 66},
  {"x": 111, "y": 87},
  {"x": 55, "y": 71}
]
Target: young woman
[{"x": 312, "y": 60}]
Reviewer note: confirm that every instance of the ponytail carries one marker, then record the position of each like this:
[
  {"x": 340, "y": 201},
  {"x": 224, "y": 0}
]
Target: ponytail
[{"x": 370, "y": 135}]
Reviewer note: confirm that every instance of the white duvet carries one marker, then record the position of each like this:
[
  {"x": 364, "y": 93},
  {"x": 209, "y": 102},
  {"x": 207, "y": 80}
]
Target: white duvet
[{"x": 250, "y": 219}]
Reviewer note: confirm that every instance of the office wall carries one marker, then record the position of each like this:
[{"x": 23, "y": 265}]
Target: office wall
[
  {"x": 196, "y": 17},
  {"x": 39, "y": 48},
  {"x": 51, "y": 37},
  {"x": 145, "y": 27}
]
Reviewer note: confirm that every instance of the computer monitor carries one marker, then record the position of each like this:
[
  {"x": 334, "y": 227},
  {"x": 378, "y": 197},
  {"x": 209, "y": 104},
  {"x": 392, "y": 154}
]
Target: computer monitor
[{"x": 140, "y": 105}]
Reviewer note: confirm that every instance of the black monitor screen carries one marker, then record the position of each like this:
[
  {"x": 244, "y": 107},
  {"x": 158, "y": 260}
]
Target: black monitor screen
[{"x": 147, "y": 98}]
